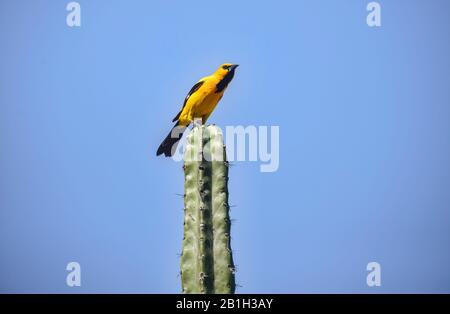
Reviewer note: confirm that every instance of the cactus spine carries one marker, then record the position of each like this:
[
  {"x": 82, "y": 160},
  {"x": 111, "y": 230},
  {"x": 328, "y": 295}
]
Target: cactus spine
[{"x": 206, "y": 260}]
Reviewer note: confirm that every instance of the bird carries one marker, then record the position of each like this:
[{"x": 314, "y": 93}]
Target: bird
[{"x": 199, "y": 103}]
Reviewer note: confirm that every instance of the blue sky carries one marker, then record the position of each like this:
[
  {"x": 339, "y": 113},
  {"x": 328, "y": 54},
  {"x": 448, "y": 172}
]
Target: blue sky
[{"x": 364, "y": 142}]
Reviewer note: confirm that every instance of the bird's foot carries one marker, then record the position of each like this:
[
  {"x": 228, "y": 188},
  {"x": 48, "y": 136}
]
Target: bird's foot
[{"x": 197, "y": 122}]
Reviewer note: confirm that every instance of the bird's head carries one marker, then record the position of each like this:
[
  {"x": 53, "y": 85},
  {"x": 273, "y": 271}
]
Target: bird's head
[{"x": 226, "y": 68}]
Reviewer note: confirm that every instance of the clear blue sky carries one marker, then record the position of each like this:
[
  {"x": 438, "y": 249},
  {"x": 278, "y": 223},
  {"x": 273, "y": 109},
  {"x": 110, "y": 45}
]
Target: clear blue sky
[{"x": 364, "y": 116}]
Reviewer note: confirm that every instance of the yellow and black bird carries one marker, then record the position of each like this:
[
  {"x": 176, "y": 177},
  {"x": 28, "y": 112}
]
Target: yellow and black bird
[{"x": 199, "y": 103}]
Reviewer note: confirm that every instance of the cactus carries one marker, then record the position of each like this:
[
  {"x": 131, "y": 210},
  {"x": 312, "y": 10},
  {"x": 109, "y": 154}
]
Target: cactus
[{"x": 206, "y": 260}]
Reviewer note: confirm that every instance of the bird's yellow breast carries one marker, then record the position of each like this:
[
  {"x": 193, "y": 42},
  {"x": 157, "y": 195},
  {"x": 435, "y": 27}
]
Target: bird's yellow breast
[{"x": 202, "y": 102}]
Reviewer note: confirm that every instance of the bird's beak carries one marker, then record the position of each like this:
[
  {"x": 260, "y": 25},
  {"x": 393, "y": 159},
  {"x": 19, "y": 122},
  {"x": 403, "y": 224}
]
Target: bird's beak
[{"x": 234, "y": 66}]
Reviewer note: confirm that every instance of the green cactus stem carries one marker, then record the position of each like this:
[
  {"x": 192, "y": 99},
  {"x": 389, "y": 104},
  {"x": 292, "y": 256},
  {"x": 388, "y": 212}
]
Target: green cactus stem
[{"x": 206, "y": 260}]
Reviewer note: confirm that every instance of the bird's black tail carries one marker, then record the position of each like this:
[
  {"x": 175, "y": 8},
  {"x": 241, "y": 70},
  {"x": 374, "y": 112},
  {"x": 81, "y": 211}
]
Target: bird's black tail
[{"x": 169, "y": 145}]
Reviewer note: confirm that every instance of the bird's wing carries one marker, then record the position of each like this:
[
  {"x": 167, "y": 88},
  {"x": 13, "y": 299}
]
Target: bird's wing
[{"x": 192, "y": 91}]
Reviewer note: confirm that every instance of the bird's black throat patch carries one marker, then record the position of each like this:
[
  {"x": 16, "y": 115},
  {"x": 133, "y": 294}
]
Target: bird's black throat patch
[{"x": 225, "y": 81}]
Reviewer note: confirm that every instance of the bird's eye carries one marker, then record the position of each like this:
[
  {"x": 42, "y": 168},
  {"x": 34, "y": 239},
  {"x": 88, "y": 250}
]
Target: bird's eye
[{"x": 226, "y": 67}]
